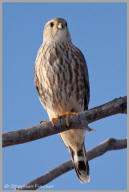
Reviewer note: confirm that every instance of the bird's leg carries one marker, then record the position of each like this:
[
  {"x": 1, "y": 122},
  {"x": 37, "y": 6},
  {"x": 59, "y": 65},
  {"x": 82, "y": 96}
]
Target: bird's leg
[
  {"x": 53, "y": 119},
  {"x": 66, "y": 115}
]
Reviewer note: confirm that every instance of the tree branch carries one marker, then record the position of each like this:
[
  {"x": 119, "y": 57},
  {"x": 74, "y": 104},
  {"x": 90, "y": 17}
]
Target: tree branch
[
  {"x": 109, "y": 144},
  {"x": 39, "y": 131}
]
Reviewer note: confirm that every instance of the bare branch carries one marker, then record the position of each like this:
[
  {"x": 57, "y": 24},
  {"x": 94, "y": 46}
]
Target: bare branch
[
  {"x": 109, "y": 144},
  {"x": 39, "y": 131}
]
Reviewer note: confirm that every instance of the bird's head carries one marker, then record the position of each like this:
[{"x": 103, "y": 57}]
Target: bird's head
[{"x": 56, "y": 30}]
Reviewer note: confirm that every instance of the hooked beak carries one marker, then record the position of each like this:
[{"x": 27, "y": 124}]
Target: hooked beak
[{"x": 60, "y": 26}]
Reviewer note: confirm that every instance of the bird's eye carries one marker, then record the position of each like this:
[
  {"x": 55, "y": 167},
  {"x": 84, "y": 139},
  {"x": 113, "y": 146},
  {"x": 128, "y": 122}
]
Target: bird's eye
[
  {"x": 51, "y": 24},
  {"x": 66, "y": 24}
]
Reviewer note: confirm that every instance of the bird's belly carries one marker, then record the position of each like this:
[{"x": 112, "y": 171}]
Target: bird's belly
[
  {"x": 60, "y": 102},
  {"x": 60, "y": 92},
  {"x": 61, "y": 99}
]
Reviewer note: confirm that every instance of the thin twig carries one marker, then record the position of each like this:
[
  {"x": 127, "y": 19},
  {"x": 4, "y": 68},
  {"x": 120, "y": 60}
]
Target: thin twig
[{"x": 107, "y": 145}]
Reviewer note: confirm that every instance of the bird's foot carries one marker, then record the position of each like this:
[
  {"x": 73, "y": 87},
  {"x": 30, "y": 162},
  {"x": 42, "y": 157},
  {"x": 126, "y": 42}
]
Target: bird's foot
[
  {"x": 43, "y": 122},
  {"x": 53, "y": 119},
  {"x": 67, "y": 114}
]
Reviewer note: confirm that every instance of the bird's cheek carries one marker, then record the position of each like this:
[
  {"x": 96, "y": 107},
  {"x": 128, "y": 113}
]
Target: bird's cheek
[
  {"x": 53, "y": 33},
  {"x": 56, "y": 33}
]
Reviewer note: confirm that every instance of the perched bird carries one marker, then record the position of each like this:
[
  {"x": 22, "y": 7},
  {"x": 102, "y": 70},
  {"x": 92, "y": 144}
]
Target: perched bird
[{"x": 61, "y": 79}]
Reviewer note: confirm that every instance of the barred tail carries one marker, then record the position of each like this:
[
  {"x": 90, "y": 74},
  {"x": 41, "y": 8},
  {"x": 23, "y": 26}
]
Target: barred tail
[{"x": 81, "y": 164}]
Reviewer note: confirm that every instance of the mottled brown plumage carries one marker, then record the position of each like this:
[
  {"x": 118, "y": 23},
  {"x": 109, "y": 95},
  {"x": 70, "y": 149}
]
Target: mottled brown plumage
[{"x": 61, "y": 79}]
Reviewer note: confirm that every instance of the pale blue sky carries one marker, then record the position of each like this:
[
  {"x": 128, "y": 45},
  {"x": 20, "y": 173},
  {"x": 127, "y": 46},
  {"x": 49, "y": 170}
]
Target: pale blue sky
[{"x": 99, "y": 30}]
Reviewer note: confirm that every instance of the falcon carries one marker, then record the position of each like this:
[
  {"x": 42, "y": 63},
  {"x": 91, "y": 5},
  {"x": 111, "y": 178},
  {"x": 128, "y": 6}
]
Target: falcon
[{"x": 61, "y": 79}]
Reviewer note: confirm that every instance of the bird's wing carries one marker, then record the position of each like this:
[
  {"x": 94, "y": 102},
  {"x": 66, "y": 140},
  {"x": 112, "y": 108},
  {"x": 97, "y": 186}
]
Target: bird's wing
[{"x": 87, "y": 84}]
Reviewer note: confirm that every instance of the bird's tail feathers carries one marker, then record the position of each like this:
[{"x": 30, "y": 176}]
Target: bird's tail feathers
[{"x": 81, "y": 164}]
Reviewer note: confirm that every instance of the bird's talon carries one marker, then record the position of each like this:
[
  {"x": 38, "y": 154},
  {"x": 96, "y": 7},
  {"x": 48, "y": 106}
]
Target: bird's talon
[
  {"x": 52, "y": 122},
  {"x": 43, "y": 122},
  {"x": 67, "y": 121},
  {"x": 67, "y": 114}
]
